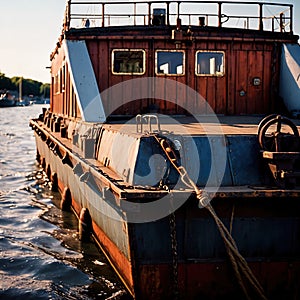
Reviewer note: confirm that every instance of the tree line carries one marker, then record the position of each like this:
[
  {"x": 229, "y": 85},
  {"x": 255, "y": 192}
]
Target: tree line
[{"x": 30, "y": 87}]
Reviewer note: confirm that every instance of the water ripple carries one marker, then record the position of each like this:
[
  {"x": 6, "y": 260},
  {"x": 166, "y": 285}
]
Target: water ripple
[{"x": 41, "y": 256}]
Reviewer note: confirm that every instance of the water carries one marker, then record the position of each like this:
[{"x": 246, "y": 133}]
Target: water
[{"x": 41, "y": 256}]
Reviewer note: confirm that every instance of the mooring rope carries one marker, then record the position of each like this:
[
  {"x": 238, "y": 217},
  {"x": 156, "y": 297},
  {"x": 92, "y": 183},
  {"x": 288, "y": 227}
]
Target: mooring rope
[{"x": 239, "y": 264}]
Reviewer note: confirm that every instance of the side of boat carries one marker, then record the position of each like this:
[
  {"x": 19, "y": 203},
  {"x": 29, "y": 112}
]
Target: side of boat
[
  {"x": 154, "y": 138},
  {"x": 6, "y": 102},
  {"x": 135, "y": 230}
]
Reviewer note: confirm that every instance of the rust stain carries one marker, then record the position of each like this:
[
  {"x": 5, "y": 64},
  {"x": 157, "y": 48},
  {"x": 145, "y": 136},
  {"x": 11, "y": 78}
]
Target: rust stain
[{"x": 118, "y": 260}]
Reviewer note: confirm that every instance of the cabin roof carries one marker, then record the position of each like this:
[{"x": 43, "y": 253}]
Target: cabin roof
[
  {"x": 236, "y": 69},
  {"x": 193, "y": 32}
]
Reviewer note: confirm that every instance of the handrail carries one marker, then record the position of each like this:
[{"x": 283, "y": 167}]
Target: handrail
[{"x": 141, "y": 13}]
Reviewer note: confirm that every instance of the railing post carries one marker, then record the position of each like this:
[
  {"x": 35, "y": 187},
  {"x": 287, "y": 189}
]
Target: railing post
[
  {"x": 220, "y": 14},
  {"x": 68, "y": 16},
  {"x": 168, "y": 13},
  {"x": 149, "y": 13},
  {"x": 134, "y": 12},
  {"x": 103, "y": 15},
  {"x": 291, "y": 19},
  {"x": 281, "y": 22},
  {"x": 178, "y": 11},
  {"x": 261, "y": 25}
]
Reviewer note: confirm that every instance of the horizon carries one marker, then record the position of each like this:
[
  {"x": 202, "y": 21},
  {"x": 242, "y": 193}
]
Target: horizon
[{"x": 30, "y": 33}]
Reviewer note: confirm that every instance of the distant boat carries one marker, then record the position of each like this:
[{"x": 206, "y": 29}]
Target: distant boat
[
  {"x": 24, "y": 102},
  {"x": 7, "y": 100},
  {"x": 21, "y": 101},
  {"x": 42, "y": 101}
]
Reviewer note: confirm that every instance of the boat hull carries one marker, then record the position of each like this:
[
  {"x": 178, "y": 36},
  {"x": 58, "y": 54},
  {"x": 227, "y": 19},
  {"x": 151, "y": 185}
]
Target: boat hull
[
  {"x": 185, "y": 204},
  {"x": 266, "y": 230},
  {"x": 7, "y": 103},
  {"x": 84, "y": 197}
]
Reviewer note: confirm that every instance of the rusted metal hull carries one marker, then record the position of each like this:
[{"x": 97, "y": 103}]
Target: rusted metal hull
[
  {"x": 82, "y": 196},
  {"x": 264, "y": 231},
  {"x": 215, "y": 280},
  {"x": 264, "y": 223}
]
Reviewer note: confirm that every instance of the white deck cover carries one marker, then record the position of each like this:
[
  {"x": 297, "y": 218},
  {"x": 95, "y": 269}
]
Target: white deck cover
[
  {"x": 290, "y": 77},
  {"x": 84, "y": 81}
]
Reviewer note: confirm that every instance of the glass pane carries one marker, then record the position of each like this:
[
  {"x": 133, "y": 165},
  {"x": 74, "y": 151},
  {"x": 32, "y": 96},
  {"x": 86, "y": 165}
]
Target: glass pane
[
  {"x": 128, "y": 62},
  {"x": 210, "y": 63},
  {"x": 170, "y": 63}
]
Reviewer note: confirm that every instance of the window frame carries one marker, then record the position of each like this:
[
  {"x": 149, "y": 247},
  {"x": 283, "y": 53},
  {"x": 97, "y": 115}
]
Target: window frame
[
  {"x": 170, "y": 51},
  {"x": 56, "y": 83},
  {"x": 128, "y": 73},
  {"x": 210, "y": 75}
]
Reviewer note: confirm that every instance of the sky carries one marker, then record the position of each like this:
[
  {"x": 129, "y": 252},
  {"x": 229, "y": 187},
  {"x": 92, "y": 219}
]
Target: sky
[{"x": 29, "y": 30}]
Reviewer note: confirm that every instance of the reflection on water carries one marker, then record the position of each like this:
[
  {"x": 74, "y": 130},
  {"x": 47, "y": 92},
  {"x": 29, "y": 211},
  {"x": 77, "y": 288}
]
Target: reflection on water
[{"x": 41, "y": 256}]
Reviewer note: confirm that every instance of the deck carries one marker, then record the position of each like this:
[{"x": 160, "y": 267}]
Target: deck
[
  {"x": 241, "y": 180},
  {"x": 200, "y": 125}
]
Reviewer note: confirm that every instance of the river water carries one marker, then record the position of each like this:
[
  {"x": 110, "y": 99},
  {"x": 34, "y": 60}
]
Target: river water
[{"x": 41, "y": 256}]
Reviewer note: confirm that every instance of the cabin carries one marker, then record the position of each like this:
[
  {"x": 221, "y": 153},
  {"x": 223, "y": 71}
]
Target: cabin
[{"x": 231, "y": 61}]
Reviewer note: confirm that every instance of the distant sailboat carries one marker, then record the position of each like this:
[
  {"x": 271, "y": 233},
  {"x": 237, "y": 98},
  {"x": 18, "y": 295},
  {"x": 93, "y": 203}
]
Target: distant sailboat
[
  {"x": 22, "y": 102},
  {"x": 20, "y": 89}
]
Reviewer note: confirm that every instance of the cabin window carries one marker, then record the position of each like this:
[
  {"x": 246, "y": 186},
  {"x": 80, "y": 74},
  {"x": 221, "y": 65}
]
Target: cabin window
[
  {"x": 62, "y": 78},
  {"x": 169, "y": 62},
  {"x": 56, "y": 84},
  {"x": 210, "y": 63},
  {"x": 128, "y": 62}
]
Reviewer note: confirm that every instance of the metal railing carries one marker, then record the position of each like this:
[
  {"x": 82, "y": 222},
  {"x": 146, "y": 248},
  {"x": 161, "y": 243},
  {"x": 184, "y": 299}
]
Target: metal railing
[{"x": 247, "y": 15}]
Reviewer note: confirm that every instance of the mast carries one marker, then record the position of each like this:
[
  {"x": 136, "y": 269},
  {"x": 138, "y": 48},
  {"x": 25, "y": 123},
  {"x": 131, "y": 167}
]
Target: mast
[{"x": 20, "y": 89}]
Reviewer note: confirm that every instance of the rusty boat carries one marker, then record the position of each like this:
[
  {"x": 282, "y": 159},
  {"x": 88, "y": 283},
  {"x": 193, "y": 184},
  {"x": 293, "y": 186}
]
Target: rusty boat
[{"x": 173, "y": 135}]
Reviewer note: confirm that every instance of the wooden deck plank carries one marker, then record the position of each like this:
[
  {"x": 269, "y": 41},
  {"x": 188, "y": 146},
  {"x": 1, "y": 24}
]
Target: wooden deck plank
[{"x": 228, "y": 125}]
